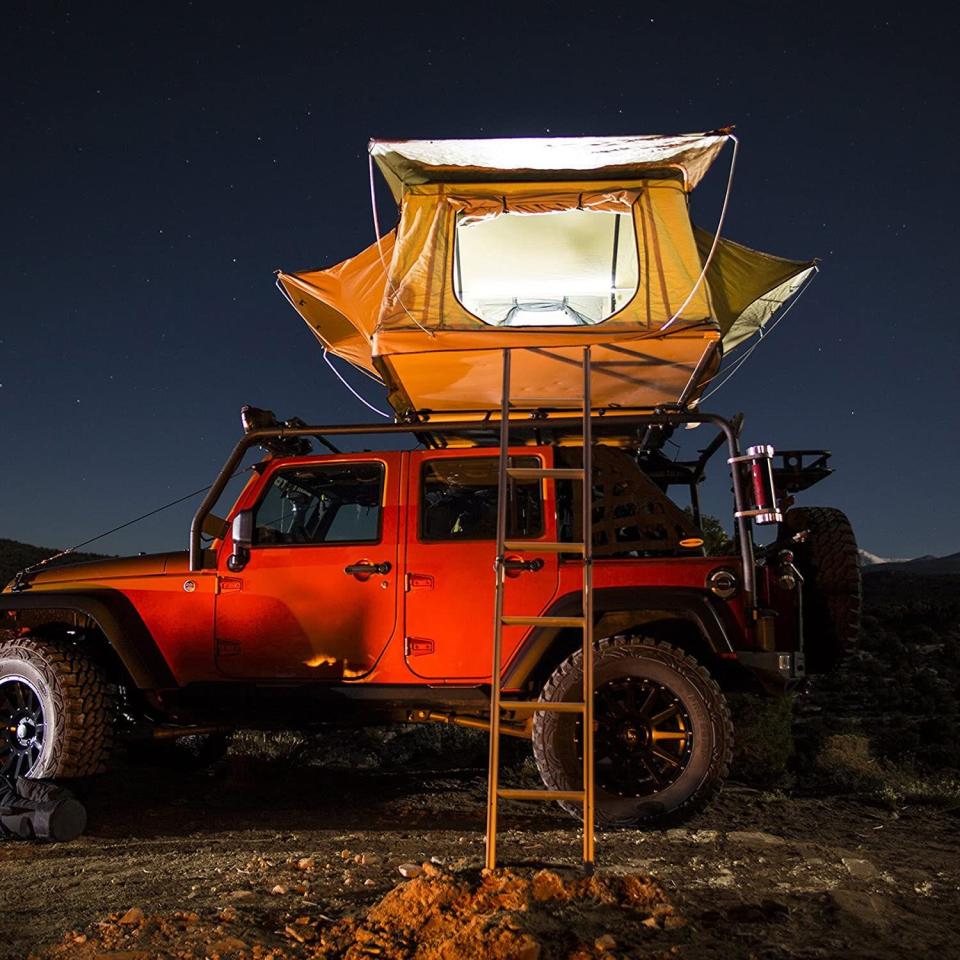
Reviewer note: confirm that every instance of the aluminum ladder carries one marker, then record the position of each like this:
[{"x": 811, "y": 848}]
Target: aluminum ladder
[{"x": 506, "y": 473}]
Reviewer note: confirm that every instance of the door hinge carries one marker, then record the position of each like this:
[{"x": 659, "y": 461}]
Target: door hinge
[
  {"x": 417, "y": 646},
  {"x": 418, "y": 581},
  {"x": 228, "y": 648}
]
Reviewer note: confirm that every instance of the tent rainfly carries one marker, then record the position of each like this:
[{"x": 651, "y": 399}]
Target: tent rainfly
[{"x": 546, "y": 245}]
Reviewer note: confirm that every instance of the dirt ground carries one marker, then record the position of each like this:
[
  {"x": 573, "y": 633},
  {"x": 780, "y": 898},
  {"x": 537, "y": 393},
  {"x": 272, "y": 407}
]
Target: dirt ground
[{"x": 266, "y": 858}]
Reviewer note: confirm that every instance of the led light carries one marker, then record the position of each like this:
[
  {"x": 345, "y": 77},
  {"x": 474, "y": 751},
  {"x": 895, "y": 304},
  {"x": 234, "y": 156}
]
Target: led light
[{"x": 692, "y": 542}]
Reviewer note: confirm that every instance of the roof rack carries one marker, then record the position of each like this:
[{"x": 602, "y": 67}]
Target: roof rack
[{"x": 571, "y": 424}]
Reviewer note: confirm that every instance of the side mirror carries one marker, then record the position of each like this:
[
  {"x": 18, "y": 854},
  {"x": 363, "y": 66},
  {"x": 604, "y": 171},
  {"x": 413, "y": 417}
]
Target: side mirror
[{"x": 242, "y": 536}]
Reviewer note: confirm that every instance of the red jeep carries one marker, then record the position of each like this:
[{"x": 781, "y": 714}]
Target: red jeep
[{"x": 359, "y": 588}]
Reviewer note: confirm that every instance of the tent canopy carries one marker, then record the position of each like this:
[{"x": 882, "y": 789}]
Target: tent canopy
[
  {"x": 406, "y": 163},
  {"x": 548, "y": 246}
]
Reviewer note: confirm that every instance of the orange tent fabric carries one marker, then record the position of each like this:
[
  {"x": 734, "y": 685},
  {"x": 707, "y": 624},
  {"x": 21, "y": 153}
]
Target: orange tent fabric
[{"x": 542, "y": 222}]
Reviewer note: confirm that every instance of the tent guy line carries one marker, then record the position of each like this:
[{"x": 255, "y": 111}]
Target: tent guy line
[
  {"x": 379, "y": 238},
  {"x": 762, "y": 335},
  {"x": 716, "y": 236}
]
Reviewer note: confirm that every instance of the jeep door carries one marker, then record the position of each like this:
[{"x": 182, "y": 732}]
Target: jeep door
[
  {"x": 451, "y": 546},
  {"x": 317, "y": 598}
]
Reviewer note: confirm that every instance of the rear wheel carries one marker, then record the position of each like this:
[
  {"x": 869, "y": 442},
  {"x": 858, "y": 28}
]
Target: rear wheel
[
  {"x": 55, "y": 710},
  {"x": 663, "y": 734},
  {"x": 832, "y": 592}
]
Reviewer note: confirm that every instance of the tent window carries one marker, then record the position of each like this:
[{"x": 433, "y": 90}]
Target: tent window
[{"x": 569, "y": 268}]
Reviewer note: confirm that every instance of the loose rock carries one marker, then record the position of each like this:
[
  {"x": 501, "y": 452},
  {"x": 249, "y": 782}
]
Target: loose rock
[
  {"x": 860, "y": 869},
  {"x": 755, "y": 838}
]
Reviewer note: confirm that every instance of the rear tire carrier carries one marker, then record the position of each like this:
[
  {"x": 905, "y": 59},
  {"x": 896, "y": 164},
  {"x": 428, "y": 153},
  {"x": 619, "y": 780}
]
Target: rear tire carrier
[{"x": 832, "y": 591}]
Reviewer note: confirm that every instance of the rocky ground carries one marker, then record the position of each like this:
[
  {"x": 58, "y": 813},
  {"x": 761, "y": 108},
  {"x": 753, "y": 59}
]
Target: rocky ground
[
  {"x": 264, "y": 857},
  {"x": 838, "y": 837}
]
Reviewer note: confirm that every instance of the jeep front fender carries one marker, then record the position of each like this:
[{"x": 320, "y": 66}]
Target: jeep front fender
[{"x": 118, "y": 620}]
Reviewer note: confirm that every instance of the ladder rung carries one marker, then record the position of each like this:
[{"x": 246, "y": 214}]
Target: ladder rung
[
  {"x": 510, "y": 794},
  {"x": 548, "y": 706},
  {"x": 543, "y": 546},
  {"x": 543, "y": 621},
  {"x": 544, "y": 473}
]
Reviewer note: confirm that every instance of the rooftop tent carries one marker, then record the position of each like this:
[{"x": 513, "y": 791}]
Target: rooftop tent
[{"x": 548, "y": 245}]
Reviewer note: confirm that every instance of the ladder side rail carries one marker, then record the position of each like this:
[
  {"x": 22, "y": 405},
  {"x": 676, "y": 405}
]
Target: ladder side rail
[
  {"x": 493, "y": 772},
  {"x": 589, "y": 801}
]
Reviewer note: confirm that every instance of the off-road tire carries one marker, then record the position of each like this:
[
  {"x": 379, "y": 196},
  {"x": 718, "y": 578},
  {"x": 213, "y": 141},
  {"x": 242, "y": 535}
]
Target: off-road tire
[
  {"x": 832, "y": 590},
  {"x": 77, "y": 704},
  {"x": 554, "y": 734}
]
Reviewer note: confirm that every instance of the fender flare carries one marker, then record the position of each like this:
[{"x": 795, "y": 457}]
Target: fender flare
[
  {"x": 712, "y": 619},
  {"x": 119, "y": 622}
]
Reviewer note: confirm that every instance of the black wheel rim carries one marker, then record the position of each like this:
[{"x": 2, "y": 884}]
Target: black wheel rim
[
  {"x": 22, "y": 726},
  {"x": 643, "y": 737}
]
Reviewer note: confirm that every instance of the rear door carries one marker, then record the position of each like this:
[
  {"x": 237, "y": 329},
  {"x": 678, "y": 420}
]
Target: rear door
[
  {"x": 318, "y": 598},
  {"x": 451, "y": 547}
]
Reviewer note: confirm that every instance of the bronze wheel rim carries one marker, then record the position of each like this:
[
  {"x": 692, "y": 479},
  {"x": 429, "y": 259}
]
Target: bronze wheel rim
[{"x": 643, "y": 737}]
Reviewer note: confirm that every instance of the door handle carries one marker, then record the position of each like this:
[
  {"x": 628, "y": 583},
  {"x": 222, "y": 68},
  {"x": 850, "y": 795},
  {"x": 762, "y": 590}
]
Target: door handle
[
  {"x": 520, "y": 566},
  {"x": 365, "y": 568}
]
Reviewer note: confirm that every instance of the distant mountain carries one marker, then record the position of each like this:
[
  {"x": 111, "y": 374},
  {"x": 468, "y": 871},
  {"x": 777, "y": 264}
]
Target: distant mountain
[
  {"x": 867, "y": 559},
  {"x": 928, "y": 566},
  {"x": 14, "y": 556}
]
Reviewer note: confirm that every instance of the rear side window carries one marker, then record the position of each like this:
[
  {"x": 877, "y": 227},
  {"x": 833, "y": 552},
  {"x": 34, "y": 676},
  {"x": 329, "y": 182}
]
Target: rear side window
[
  {"x": 324, "y": 503},
  {"x": 458, "y": 500}
]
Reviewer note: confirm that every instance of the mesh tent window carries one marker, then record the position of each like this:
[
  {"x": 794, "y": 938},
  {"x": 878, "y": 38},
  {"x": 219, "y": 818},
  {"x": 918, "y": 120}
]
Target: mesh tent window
[{"x": 565, "y": 268}]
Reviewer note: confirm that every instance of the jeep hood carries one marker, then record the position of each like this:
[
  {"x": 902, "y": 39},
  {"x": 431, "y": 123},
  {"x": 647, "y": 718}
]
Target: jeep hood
[{"x": 112, "y": 568}]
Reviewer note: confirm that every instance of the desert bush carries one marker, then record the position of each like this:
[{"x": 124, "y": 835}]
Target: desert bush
[
  {"x": 846, "y": 764},
  {"x": 763, "y": 739}
]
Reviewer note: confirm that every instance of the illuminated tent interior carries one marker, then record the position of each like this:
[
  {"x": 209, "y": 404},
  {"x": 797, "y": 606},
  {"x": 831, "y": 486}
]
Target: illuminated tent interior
[{"x": 547, "y": 245}]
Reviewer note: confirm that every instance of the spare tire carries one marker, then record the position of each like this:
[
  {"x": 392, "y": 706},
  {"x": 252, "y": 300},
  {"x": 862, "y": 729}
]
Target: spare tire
[{"x": 832, "y": 591}]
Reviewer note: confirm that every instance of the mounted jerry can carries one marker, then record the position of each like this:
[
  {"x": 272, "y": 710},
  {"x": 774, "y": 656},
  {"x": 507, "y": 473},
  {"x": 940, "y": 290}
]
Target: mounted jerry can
[{"x": 548, "y": 245}]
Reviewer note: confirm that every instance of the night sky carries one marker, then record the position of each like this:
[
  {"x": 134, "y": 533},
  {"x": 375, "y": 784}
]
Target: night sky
[{"x": 159, "y": 163}]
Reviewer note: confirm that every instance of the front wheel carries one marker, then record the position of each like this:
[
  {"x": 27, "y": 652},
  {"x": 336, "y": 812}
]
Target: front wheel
[
  {"x": 663, "y": 733},
  {"x": 55, "y": 710}
]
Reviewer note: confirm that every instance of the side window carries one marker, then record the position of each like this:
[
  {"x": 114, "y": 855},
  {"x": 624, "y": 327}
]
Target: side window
[
  {"x": 458, "y": 500},
  {"x": 325, "y": 503}
]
